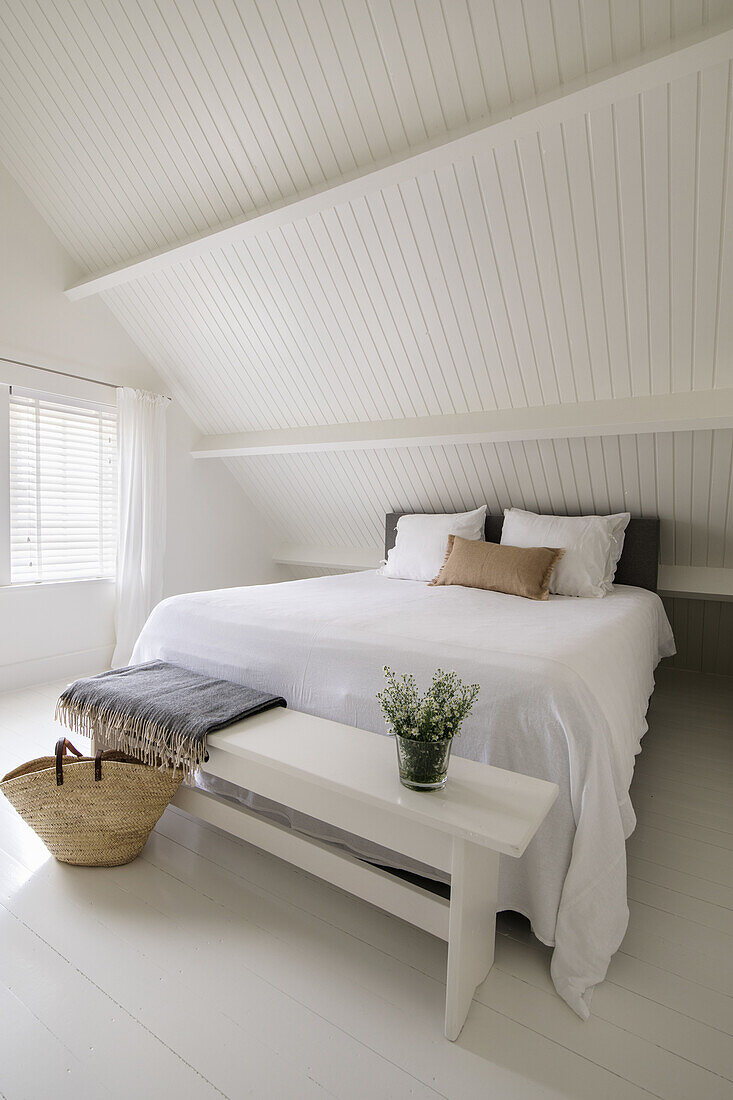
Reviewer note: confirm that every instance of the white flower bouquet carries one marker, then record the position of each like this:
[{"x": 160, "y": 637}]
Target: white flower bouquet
[{"x": 424, "y": 726}]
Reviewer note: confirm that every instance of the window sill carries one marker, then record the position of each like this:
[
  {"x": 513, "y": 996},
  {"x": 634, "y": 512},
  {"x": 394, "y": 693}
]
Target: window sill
[{"x": 20, "y": 585}]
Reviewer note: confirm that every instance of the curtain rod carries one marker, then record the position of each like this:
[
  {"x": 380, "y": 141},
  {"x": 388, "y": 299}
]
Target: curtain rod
[{"x": 64, "y": 374}]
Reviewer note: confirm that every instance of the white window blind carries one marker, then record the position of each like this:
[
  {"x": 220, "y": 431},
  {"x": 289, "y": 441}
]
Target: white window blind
[{"x": 63, "y": 488}]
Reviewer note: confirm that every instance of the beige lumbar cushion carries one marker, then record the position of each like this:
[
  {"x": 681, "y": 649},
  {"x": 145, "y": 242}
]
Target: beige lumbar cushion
[{"x": 516, "y": 570}]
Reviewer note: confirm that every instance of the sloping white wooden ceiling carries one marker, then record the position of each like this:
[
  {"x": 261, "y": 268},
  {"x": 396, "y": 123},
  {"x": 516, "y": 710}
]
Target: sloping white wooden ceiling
[
  {"x": 135, "y": 123},
  {"x": 340, "y": 499},
  {"x": 591, "y": 260},
  {"x": 588, "y": 261}
]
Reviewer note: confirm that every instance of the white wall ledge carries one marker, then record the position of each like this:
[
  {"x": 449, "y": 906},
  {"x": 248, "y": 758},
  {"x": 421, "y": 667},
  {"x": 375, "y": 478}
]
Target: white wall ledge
[
  {"x": 681, "y": 581},
  {"x": 696, "y": 582},
  {"x": 323, "y": 557},
  {"x": 22, "y": 586}
]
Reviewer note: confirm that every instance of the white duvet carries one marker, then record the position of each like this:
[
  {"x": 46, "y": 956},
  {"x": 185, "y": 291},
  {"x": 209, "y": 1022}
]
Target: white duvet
[{"x": 564, "y": 692}]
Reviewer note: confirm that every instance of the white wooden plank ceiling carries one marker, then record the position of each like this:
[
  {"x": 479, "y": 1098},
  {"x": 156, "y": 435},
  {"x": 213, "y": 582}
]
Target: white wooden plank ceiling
[
  {"x": 588, "y": 262},
  {"x": 592, "y": 260},
  {"x": 135, "y": 123}
]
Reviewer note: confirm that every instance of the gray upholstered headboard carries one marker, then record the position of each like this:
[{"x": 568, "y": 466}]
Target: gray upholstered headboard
[{"x": 639, "y": 560}]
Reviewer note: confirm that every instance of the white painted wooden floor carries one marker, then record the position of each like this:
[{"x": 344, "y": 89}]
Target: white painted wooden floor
[{"x": 207, "y": 969}]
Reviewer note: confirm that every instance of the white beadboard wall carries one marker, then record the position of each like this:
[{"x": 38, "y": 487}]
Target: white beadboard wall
[{"x": 340, "y": 499}]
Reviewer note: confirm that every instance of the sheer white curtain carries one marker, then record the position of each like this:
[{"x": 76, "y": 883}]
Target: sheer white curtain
[{"x": 141, "y": 534}]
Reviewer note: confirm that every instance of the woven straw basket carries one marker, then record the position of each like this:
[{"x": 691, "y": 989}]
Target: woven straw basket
[{"x": 95, "y": 812}]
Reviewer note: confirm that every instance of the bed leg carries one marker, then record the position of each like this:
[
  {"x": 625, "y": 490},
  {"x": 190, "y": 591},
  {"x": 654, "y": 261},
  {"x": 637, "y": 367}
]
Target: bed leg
[{"x": 471, "y": 928}]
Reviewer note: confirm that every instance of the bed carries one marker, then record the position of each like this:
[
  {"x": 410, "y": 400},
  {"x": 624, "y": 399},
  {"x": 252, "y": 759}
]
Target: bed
[{"x": 565, "y": 686}]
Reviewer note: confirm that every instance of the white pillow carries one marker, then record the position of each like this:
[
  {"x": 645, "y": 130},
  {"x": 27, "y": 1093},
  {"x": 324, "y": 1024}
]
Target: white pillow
[
  {"x": 620, "y": 522},
  {"x": 592, "y": 544},
  {"x": 422, "y": 540}
]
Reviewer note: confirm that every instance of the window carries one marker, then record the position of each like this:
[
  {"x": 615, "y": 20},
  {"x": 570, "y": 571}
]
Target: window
[{"x": 63, "y": 488}]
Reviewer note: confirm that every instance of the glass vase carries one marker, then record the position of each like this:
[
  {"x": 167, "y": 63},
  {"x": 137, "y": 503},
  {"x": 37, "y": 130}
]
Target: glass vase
[{"x": 423, "y": 764}]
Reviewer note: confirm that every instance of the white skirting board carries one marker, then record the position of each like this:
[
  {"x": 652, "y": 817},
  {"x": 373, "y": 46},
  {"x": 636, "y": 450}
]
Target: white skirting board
[{"x": 85, "y": 662}]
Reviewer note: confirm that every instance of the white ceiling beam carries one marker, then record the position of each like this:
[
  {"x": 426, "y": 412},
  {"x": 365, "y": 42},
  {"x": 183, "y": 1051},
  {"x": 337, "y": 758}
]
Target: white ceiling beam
[
  {"x": 671, "y": 412},
  {"x": 707, "y": 46}
]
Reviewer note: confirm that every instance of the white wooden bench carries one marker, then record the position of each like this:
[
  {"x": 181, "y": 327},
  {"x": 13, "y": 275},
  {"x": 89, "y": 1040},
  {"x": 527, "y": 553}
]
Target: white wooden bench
[{"x": 348, "y": 777}]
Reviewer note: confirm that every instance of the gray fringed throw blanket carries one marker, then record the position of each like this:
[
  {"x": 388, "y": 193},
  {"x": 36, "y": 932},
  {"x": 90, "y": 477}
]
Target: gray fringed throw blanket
[{"x": 158, "y": 712}]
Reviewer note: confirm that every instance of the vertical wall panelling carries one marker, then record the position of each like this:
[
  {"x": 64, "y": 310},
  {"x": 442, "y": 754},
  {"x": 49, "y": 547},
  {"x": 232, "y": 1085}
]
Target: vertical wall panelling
[{"x": 703, "y": 631}]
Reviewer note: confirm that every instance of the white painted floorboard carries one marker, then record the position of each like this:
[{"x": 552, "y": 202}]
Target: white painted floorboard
[{"x": 206, "y": 968}]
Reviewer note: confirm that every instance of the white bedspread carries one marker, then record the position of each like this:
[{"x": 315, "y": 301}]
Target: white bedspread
[{"x": 564, "y": 692}]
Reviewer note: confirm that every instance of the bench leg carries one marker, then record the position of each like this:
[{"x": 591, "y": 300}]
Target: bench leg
[{"x": 471, "y": 928}]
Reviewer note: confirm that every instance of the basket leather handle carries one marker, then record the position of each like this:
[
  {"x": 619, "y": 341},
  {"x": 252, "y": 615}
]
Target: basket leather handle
[
  {"x": 104, "y": 754},
  {"x": 61, "y": 747}
]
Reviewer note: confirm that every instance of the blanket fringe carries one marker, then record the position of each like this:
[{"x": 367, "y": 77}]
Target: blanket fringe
[{"x": 149, "y": 741}]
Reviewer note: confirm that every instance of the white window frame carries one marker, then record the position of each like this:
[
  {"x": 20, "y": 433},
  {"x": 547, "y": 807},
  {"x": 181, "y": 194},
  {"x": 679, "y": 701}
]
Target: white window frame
[
  {"x": 65, "y": 387},
  {"x": 4, "y": 484}
]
